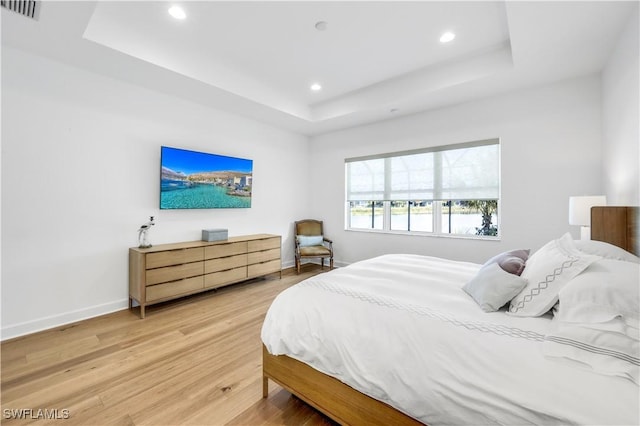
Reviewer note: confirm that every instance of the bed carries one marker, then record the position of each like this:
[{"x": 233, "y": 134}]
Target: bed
[{"x": 398, "y": 340}]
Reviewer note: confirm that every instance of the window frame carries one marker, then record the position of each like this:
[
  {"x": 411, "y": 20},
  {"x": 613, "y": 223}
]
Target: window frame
[{"x": 437, "y": 204}]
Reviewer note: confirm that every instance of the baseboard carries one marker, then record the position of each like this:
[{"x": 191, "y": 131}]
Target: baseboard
[
  {"x": 40, "y": 324},
  {"x": 288, "y": 264},
  {"x": 46, "y": 323}
]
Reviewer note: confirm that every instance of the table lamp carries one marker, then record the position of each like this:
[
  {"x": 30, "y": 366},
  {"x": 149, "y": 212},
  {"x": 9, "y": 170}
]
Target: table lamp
[{"x": 580, "y": 212}]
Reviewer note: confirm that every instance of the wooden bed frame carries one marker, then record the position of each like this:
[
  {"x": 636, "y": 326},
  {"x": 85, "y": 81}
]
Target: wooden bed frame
[
  {"x": 616, "y": 225},
  {"x": 330, "y": 396}
]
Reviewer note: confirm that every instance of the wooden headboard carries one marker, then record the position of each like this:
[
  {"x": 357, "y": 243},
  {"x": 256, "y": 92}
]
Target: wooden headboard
[{"x": 619, "y": 226}]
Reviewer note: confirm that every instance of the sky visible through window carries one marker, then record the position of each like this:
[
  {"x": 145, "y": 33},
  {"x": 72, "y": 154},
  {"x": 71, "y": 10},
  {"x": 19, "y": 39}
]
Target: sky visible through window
[{"x": 190, "y": 162}]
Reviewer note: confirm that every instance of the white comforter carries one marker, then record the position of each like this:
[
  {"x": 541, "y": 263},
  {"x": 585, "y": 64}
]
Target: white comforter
[{"x": 400, "y": 329}]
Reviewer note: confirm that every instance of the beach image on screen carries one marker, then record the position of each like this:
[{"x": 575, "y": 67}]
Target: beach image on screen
[{"x": 197, "y": 180}]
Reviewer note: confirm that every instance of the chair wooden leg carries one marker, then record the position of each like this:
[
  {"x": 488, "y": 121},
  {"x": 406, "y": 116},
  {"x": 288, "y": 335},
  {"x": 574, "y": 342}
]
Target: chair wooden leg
[
  {"x": 322, "y": 263},
  {"x": 331, "y": 263},
  {"x": 298, "y": 265}
]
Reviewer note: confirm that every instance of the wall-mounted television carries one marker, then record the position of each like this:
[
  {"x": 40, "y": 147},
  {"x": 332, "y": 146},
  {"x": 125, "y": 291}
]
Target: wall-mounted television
[{"x": 198, "y": 180}]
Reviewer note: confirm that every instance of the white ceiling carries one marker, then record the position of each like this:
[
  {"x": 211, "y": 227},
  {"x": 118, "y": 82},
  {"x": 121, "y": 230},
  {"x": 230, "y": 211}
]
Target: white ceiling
[{"x": 376, "y": 60}]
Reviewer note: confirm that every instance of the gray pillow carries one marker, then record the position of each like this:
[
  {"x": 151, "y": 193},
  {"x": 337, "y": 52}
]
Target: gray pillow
[
  {"x": 493, "y": 287},
  {"x": 511, "y": 261}
]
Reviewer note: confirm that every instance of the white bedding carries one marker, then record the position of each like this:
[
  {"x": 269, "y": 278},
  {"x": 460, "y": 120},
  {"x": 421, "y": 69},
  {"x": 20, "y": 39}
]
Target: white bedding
[{"x": 400, "y": 329}]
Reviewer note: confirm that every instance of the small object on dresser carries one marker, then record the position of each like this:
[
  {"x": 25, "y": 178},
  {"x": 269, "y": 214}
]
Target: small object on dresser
[
  {"x": 143, "y": 237},
  {"x": 215, "y": 234}
]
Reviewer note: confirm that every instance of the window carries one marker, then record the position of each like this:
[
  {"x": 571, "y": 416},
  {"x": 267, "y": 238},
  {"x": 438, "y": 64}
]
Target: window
[{"x": 448, "y": 190}]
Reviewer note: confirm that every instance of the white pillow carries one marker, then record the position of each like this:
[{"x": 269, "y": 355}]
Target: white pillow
[
  {"x": 307, "y": 241},
  {"x": 547, "y": 271},
  {"x": 606, "y": 250},
  {"x": 606, "y": 290},
  {"x": 493, "y": 287},
  {"x": 611, "y": 354}
]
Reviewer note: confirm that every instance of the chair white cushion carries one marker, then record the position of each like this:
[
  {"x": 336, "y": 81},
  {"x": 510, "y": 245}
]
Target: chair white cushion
[{"x": 309, "y": 240}]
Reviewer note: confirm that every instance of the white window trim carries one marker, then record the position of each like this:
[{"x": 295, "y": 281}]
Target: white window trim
[{"x": 437, "y": 204}]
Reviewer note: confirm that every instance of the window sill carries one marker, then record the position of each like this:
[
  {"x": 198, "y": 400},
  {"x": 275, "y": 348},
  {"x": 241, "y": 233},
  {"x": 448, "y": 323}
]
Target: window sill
[{"x": 426, "y": 234}]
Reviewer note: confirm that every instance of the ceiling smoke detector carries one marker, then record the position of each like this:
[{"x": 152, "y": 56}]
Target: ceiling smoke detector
[
  {"x": 321, "y": 25},
  {"x": 28, "y": 8}
]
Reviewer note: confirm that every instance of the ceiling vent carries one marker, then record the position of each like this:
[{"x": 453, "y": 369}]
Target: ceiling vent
[{"x": 28, "y": 8}]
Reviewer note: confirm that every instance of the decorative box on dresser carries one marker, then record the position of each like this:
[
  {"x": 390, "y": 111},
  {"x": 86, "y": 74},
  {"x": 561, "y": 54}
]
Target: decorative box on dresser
[{"x": 168, "y": 271}]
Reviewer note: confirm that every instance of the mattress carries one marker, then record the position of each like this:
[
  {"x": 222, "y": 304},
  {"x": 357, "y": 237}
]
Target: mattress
[{"x": 400, "y": 329}]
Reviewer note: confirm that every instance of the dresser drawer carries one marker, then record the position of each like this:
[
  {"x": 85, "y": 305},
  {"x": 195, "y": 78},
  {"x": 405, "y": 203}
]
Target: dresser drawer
[
  {"x": 264, "y": 244},
  {"x": 264, "y": 256},
  {"x": 174, "y": 288},
  {"x": 174, "y": 257},
  {"x": 264, "y": 268},
  {"x": 173, "y": 273},
  {"x": 218, "y": 279},
  {"x": 223, "y": 263},
  {"x": 227, "y": 249},
  {"x": 168, "y": 271}
]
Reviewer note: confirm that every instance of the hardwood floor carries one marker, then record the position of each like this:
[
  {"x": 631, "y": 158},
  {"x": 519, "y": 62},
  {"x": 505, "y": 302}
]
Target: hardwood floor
[{"x": 197, "y": 360}]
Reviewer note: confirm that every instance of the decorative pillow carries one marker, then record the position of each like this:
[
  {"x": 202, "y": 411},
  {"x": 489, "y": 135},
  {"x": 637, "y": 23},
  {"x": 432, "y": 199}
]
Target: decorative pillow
[
  {"x": 606, "y": 290},
  {"x": 493, "y": 287},
  {"x": 547, "y": 271},
  {"x": 606, "y": 250},
  {"x": 512, "y": 261},
  {"x": 313, "y": 240},
  {"x": 611, "y": 354}
]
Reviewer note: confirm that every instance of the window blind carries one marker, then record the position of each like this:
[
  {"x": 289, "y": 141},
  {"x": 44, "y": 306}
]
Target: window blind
[{"x": 457, "y": 172}]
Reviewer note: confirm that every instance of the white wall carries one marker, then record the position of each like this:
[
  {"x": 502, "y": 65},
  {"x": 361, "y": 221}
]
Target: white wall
[
  {"x": 550, "y": 142},
  {"x": 80, "y": 174},
  {"x": 80, "y": 171},
  {"x": 621, "y": 118}
]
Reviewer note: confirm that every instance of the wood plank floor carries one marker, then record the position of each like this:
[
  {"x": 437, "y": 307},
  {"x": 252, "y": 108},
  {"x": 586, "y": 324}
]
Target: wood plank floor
[{"x": 197, "y": 360}]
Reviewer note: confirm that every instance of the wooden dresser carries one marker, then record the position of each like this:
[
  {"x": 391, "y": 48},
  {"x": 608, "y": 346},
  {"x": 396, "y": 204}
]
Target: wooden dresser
[{"x": 169, "y": 271}]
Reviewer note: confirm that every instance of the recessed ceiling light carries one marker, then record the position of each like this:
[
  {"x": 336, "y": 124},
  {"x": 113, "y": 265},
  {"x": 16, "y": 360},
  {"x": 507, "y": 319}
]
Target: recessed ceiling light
[
  {"x": 177, "y": 12},
  {"x": 315, "y": 87},
  {"x": 447, "y": 37}
]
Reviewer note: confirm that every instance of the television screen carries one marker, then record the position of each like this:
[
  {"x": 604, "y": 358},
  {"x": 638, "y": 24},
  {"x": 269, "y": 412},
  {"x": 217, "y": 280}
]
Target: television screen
[{"x": 197, "y": 180}]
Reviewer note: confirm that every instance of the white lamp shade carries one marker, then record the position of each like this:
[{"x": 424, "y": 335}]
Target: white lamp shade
[{"x": 580, "y": 208}]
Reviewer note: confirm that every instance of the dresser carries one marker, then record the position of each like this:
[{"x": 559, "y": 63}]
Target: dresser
[{"x": 168, "y": 271}]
